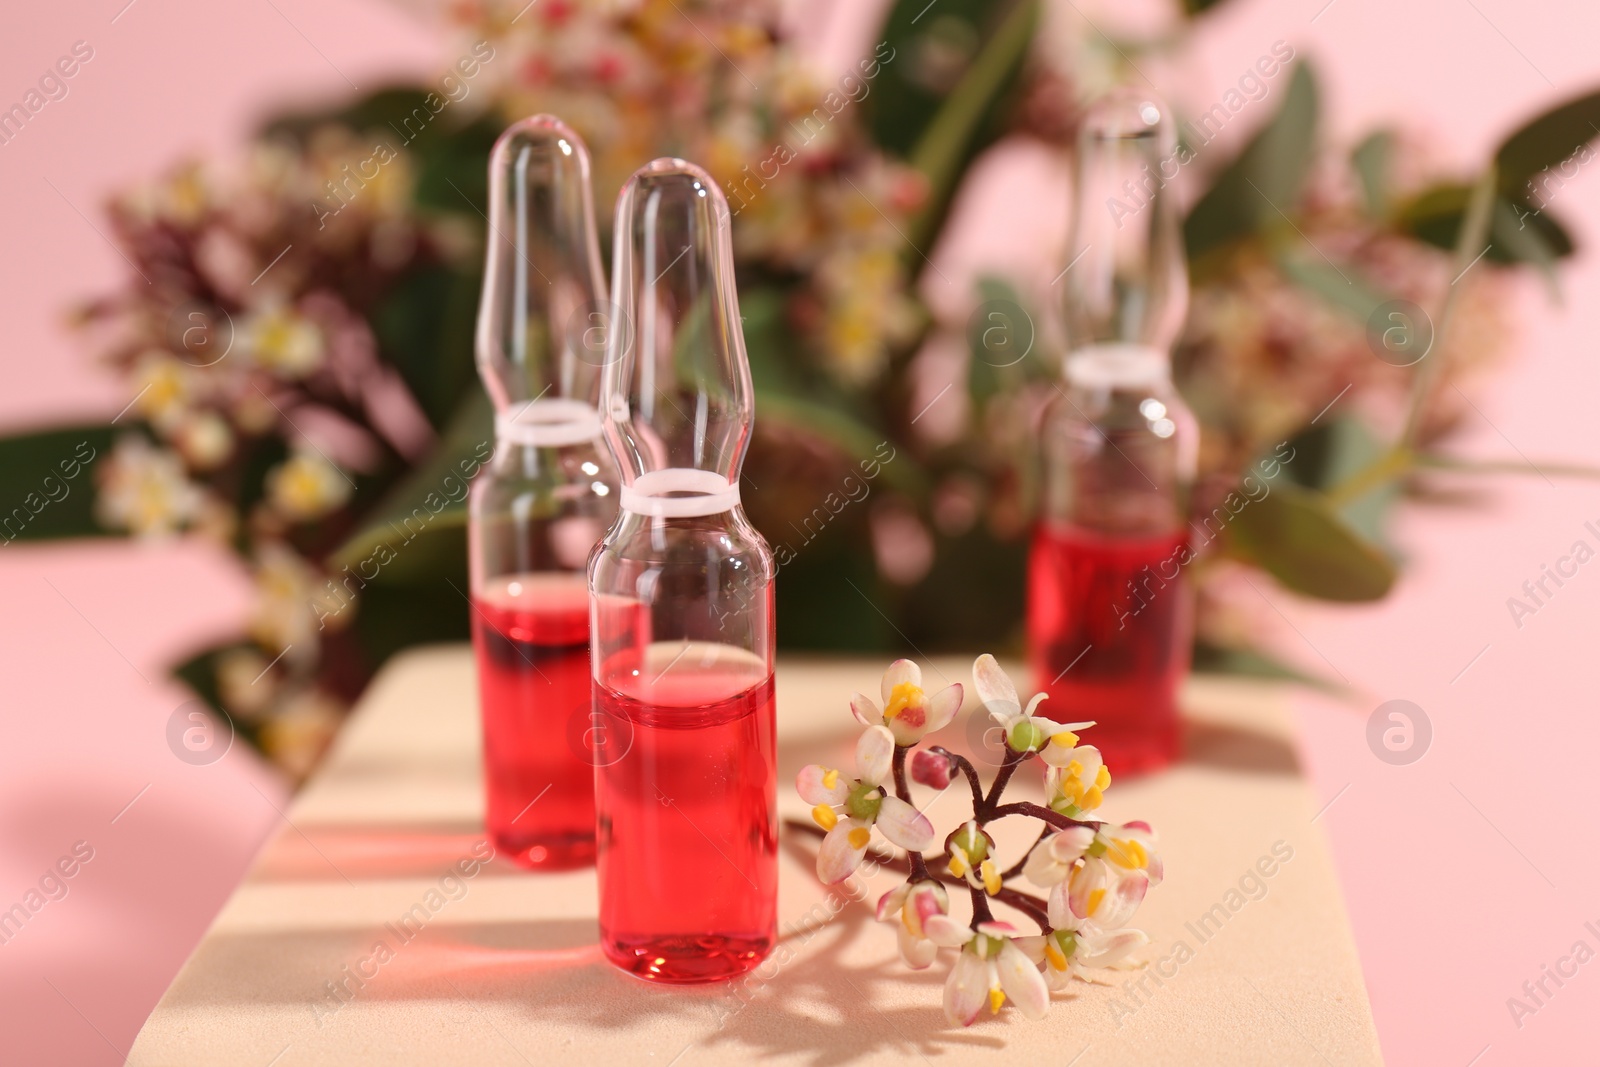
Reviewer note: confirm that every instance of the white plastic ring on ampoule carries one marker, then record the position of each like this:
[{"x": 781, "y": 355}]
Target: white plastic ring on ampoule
[
  {"x": 1116, "y": 366},
  {"x": 709, "y": 493},
  {"x": 549, "y": 423}
]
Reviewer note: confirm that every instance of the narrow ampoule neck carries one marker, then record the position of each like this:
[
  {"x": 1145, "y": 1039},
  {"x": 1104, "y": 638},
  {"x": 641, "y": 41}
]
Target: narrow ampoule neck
[
  {"x": 680, "y": 493},
  {"x": 1118, "y": 365},
  {"x": 1127, "y": 279}
]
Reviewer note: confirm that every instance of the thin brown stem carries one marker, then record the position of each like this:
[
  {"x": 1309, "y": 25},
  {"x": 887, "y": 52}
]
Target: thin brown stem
[
  {"x": 1034, "y": 907},
  {"x": 965, "y": 766},
  {"x": 980, "y": 906},
  {"x": 919, "y": 866},
  {"x": 1038, "y": 811},
  {"x": 1008, "y": 767}
]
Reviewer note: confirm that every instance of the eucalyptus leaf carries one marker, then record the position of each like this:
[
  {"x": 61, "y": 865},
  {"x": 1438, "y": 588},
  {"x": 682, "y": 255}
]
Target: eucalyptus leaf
[
  {"x": 47, "y": 485},
  {"x": 1295, "y": 536},
  {"x": 1210, "y": 658},
  {"x": 1526, "y": 244},
  {"x": 431, "y": 499},
  {"x": 1260, "y": 187},
  {"x": 1547, "y": 141},
  {"x": 1371, "y": 161},
  {"x": 1342, "y": 288},
  {"x": 425, "y": 325},
  {"x": 1332, "y": 452},
  {"x": 955, "y": 133},
  {"x": 1436, "y": 214}
]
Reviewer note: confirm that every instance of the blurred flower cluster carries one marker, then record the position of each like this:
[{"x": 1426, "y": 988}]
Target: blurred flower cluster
[
  {"x": 263, "y": 411},
  {"x": 714, "y": 81}
]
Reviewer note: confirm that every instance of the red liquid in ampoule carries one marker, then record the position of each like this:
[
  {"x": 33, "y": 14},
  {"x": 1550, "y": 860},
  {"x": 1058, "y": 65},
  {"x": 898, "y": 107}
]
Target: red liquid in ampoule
[
  {"x": 687, "y": 830},
  {"x": 531, "y": 632},
  {"x": 1107, "y": 650}
]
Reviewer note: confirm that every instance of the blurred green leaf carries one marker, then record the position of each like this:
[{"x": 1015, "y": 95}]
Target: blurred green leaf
[
  {"x": 430, "y": 501},
  {"x": 1341, "y": 287},
  {"x": 1328, "y": 454},
  {"x": 972, "y": 597},
  {"x": 1371, "y": 160},
  {"x": 1003, "y": 342},
  {"x": 787, "y": 394},
  {"x": 1265, "y": 179},
  {"x": 394, "y": 615},
  {"x": 47, "y": 483},
  {"x": 1295, "y": 536},
  {"x": 827, "y": 592},
  {"x": 956, "y": 131},
  {"x": 1525, "y": 244},
  {"x": 1546, "y": 141},
  {"x": 1435, "y": 215},
  {"x": 425, "y": 326},
  {"x": 1253, "y": 663},
  {"x": 927, "y": 50},
  {"x": 1543, "y": 469},
  {"x": 450, "y": 147}
]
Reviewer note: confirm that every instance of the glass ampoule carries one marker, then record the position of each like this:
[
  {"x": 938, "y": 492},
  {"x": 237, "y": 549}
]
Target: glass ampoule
[
  {"x": 1109, "y": 602},
  {"x": 682, "y": 610},
  {"x": 545, "y": 498}
]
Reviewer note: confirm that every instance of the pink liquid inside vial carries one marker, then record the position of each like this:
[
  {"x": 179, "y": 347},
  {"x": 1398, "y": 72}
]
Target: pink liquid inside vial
[
  {"x": 1110, "y": 638},
  {"x": 531, "y": 636},
  {"x": 687, "y": 833}
]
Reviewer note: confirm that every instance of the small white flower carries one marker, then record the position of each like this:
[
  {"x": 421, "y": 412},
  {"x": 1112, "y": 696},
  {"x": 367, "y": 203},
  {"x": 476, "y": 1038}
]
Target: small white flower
[
  {"x": 283, "y": 341},
  {"x": 908, "y": 711},
  {"x": 1110, "y": 880},
  {"x": 1077, "y": 784},
  {"x": 1053, "y": 859},
  {"x": 144, "y": 490},
  {"x": 1025, "y": 731},
  {"x": 306, "y": 487},
  {"x": 915, "y": 903},
  {"x": 991, "y": 967},
  {"x": 864, "y": 805},
  {"x": 1065, "y": 954}
]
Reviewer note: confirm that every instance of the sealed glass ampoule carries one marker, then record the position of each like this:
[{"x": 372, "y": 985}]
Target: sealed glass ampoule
[
  {"x": 1109, "y": 602},
  {"x": 682, "y": 611},
  {"x": 545, "y": 498}
]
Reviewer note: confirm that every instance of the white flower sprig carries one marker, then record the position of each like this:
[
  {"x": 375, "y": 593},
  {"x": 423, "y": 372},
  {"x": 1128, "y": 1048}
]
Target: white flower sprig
[{"x": 1096, "y": 873}]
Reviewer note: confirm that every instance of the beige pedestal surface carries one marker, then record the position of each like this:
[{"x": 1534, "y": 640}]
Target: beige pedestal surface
[{"x": 1250, "y": 962}]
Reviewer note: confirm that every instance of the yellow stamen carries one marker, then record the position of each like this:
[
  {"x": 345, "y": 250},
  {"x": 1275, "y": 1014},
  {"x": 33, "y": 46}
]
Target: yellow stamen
[
  {"x": 958, "y": 865},
  {"x": 1103, "y": 779},
  {"x": 1129, "y": 854},
  {"x": 1053, "y": 953},
  {"x": 1075, "y": 769},
  {"x": 1066, "y": 739},
  {"x": 1072, "y": 789},
  {"x": 859, "y": 837},
  {"x": 825, "y": 816},
  {"x": 901, "y": 697},
  {"x": 997, "y": 997},
  {"x": 1094, "y": 901},
  {"x": 991, "y": 877},
  {"x": 830, "y": 780},
  {"x": 1090, "y": 800}
]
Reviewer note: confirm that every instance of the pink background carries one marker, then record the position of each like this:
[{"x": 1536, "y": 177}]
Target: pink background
[{"x": 1464, "y": 872}]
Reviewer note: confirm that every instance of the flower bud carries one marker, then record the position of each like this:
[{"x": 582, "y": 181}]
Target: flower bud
[{"x": 932, "y": 769}]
